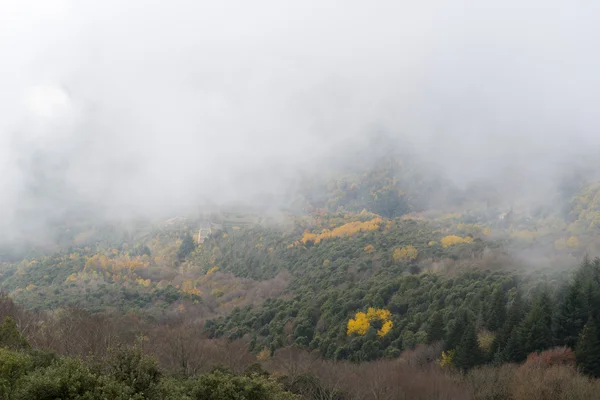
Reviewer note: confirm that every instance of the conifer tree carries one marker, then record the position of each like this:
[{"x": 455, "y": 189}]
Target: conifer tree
[
  {"x": 570, "y": 316},
  {"x": 456, "y": 330},
  {"x": 468, "y": 354},
  {"x": 186, "y": 247},
  {"x": 435, "y": 331},
  {"x": 497, "y": 313},
  {"x": 537, "y": 327},
  {"x": 514, "y": 352},
  {"x": 588, "y": 349}
]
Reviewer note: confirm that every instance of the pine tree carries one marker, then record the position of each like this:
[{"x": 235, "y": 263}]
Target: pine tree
[
  {"x": 537, "y": 327},
  {"x": 591, "y": 294},
  {"x": 435, "y": 330},
  {"x": 468, "y": 354},
  {"x": 570, "y": 316},
  {"x": 497, "y": 313},
  {"x": 514, "y": 317},
  {"x": 186, "y": 247},
  {"x": 513, "y": 352},
  {"x": 456, "y": 330},
  {"x": 588, "y": 349}
]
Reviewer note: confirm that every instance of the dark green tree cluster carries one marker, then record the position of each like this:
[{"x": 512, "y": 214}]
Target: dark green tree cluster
[{"x": 126, "y": 373}]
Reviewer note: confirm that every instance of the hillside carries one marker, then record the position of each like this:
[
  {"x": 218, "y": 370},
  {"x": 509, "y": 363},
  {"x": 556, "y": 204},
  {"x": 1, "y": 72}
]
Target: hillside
[{"x": 368, "y": 271}]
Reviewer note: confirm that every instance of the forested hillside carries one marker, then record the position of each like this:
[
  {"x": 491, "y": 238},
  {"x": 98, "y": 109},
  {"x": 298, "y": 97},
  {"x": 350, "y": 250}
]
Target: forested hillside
[{"x": 372, "y": 270}]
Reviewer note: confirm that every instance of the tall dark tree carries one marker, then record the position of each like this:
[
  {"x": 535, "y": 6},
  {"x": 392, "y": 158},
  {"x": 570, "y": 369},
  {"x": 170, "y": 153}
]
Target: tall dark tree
[
  {"x": 588, "y": 349},
  {"x": 435, "y": 331},
  {"x": 186, "y": 247},
  {"x": 456, "y": 330},
  {"x": 497, "y": 312},
  {"x": 513, "y": 351},
  {"x": 468, "y": 354},
  {"x": 537, "y": 327},
  {"x": 570, "y": 316}
]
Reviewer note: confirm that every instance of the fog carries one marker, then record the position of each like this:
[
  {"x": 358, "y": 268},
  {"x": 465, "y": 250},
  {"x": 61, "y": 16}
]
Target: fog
[{"x": 143, "y": 107}]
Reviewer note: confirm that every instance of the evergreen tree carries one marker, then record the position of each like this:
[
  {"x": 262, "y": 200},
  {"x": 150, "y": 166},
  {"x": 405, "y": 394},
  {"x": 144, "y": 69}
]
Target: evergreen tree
[
  {"x": 186, "y": 247},
  {"x": 570, "y": 316},
  {"x": 497, "y": 312},
  {"x": 514, "y": 316},
  {"x": 10, "y": 336},
  {"x": 537, "y": 327},
  {"x": 514, "y": 352},
  {"x": 591, "y": 294},
  {"x": 435, "y": 330},
  {"x": 588, "y": 349},
  {"x": 456, "y": 330},
  {"x": 468, "y": 354}
]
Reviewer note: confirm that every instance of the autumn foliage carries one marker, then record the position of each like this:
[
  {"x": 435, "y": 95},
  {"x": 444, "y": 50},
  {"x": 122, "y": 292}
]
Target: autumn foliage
[
  {"x": 362, "y": 321},
  {"x": 451, "y": 240},
  {"x": 349, "y": 229}
]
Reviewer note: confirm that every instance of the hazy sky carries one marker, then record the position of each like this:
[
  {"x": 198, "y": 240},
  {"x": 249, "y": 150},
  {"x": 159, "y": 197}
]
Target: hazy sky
[{"x": 151, "y": 105}]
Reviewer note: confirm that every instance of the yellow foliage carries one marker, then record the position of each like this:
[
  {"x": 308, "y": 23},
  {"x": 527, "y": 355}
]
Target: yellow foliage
[
  {"x": 385, "y": 328},
  {"x": 369, "y": 248},
  {"x": 360, "y": 324},
  {"x": 446, "y": 359},
  {"x": 573, "y": 242},
  {"x": 181, "y": 308},
  {"x": 432, "y": 243},
  {"x": 485, "y": 339},
  {"x": 408, "y": 253},
  {"x": 212, "y": 270},
  {"x": 71, "y": 278},
  {"x": 143, "y": 282},
  {"x": 453, "y": 239},
  {"x": 30, "y": 287},
  {"x": 189, "y": 287},
  {"x": 362, "y": 321},
  {"x": 378, "y": 313},
  {"x": 349, "y": 229},
  {"x": 326, "y": 263}
]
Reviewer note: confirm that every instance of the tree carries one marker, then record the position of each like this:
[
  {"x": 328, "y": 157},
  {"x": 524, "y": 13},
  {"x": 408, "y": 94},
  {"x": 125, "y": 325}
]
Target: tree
[
  {"x": 133, "y": 368},
  {"x": 70, "y": 379},
  {"x": 186, "y": 247},
  {"x": 468, "y": 354},
  {"x": 513, "y": 352},
  {"x": 570, "y": 316},
  {"x": 537, "y": 327},
  {"x": 514, "y": 316},
  {"x": 10, "y": 336},
  {"x": 456, "y": 330},
  {"x": 588, "y": 349},
  {"x": 435, "y": 330},
  {"x": 497, "y": 313},
  {"x": 220, "y": 385},
  {"x": 13, "y": 365}
]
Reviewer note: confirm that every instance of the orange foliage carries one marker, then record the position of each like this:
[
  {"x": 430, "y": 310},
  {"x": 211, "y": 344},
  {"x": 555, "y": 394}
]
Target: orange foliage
[{"x": 551, "y": 357}]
